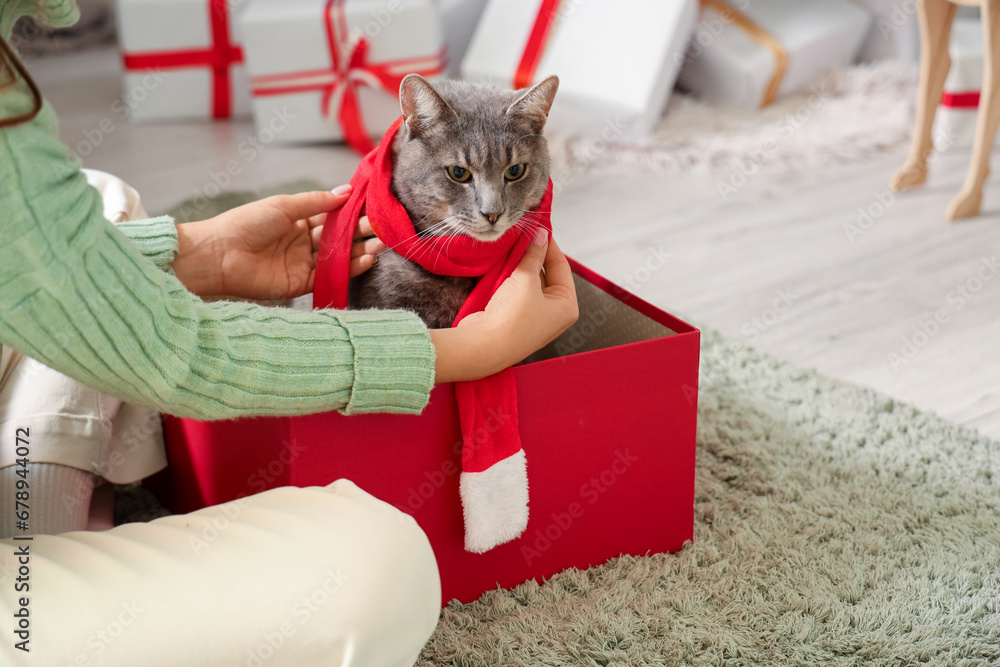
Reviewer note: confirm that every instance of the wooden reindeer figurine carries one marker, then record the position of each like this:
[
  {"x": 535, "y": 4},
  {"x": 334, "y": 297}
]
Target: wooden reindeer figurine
[{"x": 936, "y": 17}]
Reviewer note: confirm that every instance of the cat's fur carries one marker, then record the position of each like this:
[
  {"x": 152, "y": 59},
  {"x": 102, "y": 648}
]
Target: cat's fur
[{"x": 485, "y": 130}]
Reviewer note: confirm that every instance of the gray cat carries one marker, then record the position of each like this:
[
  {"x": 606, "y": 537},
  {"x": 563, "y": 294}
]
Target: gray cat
[{"x": 469, "y": 159}]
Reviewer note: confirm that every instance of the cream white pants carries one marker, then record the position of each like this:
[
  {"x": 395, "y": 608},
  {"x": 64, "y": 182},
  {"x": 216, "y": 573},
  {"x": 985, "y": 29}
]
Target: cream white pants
[{"x": 287, "y": 578}]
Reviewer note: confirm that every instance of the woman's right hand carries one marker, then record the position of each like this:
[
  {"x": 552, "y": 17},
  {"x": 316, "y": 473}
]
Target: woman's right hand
[{"x": 528, "y": 311}]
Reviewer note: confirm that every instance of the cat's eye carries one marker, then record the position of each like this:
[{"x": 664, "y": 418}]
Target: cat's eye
[
  {"x": 459, "y": 174},
  {"x": 515, "y": 172}
]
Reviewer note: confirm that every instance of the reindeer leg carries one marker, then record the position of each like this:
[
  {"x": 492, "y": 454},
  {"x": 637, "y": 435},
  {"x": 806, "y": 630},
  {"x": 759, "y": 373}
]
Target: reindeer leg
[
  {"x": 935, "y": 32},
  {"x": 969, "y": 199}
]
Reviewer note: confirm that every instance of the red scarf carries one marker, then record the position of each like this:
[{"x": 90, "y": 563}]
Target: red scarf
[{"x": 484, "y": 444}]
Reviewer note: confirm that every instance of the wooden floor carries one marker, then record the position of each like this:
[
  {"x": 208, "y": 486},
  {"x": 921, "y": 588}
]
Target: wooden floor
[{"x": 774, "y": 266}]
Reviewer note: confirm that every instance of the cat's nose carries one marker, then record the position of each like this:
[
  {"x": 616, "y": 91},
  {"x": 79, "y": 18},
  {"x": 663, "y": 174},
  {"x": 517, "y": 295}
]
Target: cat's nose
[{"x": 491, "y": 216}]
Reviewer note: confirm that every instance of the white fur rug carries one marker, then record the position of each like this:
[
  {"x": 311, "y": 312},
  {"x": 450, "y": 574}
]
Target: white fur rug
[{"x": 846, "y": 115}]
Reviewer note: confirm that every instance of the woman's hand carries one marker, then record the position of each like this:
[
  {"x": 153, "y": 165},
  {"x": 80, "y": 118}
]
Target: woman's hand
[
  {"x": 527, "y": 312},
  {"x": 265, "y": 249}
]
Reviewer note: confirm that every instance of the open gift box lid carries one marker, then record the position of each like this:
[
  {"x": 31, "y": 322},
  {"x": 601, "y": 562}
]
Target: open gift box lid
[{"x": 607, "y": 415}]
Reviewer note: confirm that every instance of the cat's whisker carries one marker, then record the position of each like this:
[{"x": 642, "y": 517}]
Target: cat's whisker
[
  {"x": 425, "y": 243},
  {"x": 453, "y": 226},
  {"x": 425, "y": 233}
]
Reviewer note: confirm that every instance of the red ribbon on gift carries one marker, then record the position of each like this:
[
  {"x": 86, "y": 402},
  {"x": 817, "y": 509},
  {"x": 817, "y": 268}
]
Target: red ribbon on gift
[
  {"x": 537, "y": 41},
  {"x": 961, "y": 100},
  {"x": 350, "y": 69},
  {"x": 220, "y": 56}
]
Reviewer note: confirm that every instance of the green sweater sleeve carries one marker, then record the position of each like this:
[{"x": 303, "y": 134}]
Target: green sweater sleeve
[
  {"x": 156, "y": 238},
  {"x": 76, "y": 294}
]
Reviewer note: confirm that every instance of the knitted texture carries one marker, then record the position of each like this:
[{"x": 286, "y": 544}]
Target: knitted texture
[
  {"x": 77, "y": 295},
  {"x": 156, "y": 239}
]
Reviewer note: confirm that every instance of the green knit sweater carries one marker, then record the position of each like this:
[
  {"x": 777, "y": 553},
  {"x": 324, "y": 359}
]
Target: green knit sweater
[{"x": 78, "y": 295}]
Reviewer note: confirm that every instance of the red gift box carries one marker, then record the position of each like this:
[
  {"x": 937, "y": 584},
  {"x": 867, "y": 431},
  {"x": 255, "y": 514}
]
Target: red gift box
[{"x": 607, "y": 415}]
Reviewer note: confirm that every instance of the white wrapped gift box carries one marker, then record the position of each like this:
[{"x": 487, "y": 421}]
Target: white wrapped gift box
[
  {"x": 330, "y": 69},
  {"x": 787, "y": 45},
  {"x": 955, "y": 120},
  {"x": 459, "y": 19},
  {"x": 616, "y": 62},
  {"x": 182, "y": 59},
  {"x": 895, "y": 33}
]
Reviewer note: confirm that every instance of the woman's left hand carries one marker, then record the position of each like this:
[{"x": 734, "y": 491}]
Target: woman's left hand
[{"x": 265, "y": 249}]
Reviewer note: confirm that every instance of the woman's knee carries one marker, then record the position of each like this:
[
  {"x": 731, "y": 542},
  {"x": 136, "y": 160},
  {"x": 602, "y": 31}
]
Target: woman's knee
[{"x": 399, "y": 602}]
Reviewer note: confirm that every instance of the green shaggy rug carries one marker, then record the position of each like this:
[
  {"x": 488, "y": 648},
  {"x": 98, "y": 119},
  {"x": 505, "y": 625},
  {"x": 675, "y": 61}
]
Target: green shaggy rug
[{"x": 833, "y": 526}]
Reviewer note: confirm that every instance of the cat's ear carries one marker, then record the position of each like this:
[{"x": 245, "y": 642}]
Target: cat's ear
[
  {"x": 421, "y": 105},
  {"x": 535, "y": 103}
]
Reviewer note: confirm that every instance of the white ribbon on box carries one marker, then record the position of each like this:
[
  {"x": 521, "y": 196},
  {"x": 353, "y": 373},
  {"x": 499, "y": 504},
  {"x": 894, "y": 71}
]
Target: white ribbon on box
[
  {"x": 332, "y": 68},
  {"x": 616, "y": 62},
  {"x": 182, "y": 58},
  {"x": 727, "y": 65},
  {"x": 955, "y": 120}
]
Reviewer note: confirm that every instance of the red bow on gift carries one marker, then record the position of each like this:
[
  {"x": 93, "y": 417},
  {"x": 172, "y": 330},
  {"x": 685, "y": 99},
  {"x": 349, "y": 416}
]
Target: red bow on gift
[{"x": 350, "y": 68}]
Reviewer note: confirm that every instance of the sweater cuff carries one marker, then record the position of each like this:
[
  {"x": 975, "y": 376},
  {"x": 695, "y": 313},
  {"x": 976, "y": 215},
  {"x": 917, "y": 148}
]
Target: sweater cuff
[
  {"x": 393, "y": 361},
  {"x": 156, "y": 238}
]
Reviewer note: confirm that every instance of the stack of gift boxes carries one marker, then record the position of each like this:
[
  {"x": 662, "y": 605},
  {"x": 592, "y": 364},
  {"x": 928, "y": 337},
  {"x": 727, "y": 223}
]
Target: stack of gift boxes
[{"x": 333, "y": 67}]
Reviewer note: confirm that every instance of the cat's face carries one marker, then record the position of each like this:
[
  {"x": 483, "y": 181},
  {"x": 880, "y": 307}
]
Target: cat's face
[{"x": 470, "y": 158}]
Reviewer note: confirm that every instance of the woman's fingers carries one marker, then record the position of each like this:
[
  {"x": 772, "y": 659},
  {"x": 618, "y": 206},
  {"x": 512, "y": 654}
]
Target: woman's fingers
[
  {"x": 367, "y": 247},
  {"x": 558, "y": 273},
  {"x": 364, "y": 228},
  {"x": 361, "y": 264},
  {"x": 318, "y": 219},
  {"x": 371, "y": 246},
  {"x": 534, "y": 257},
  {"x": 308, "y": 204}
]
